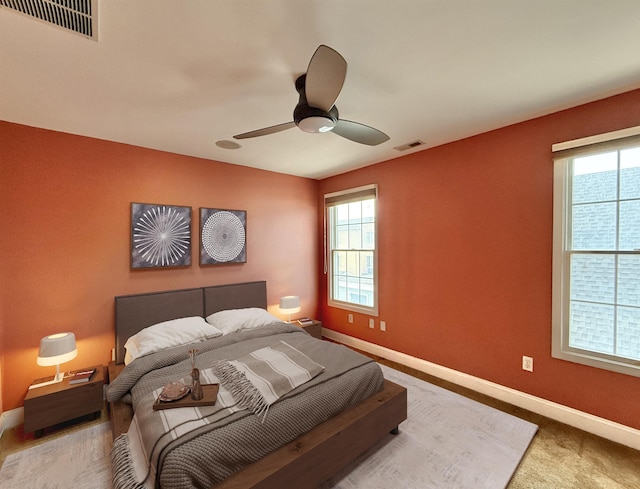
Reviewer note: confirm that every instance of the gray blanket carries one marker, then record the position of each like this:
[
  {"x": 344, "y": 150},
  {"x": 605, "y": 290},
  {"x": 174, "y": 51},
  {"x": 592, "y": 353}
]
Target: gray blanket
[{"x": 228, "y": 442}]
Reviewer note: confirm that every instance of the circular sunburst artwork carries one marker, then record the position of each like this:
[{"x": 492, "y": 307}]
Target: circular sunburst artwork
[
  {"x": 160, "y": 236},
  {"x": 223, "y": 236}
]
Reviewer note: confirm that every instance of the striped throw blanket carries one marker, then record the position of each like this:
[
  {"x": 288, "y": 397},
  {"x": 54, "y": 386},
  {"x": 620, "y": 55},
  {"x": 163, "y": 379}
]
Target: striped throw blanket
[
  {"x": 259, "y": 379},
  {"x": 254, "y": 381}
]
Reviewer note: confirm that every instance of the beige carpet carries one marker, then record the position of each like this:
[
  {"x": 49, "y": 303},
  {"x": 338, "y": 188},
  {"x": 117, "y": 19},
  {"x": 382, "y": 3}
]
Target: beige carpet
[
  {"x": 78, "y": 460},
  {"x": 448, "y": 442}
]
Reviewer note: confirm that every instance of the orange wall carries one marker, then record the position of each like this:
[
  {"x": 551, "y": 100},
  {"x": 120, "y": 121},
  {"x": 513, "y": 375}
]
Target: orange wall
[
  {"x": 64, "y": 238},
  {"x": 465, "y": 251}
]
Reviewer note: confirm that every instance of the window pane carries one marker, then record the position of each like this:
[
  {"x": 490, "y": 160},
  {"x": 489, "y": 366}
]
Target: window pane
[
  {"x": 353, "y": 290},
  {"x": 368, "y": 210},
  {"x": 355, "y": 237},
  {"x": 342, "y": 213},
  {"x": 594, "y": 227},
  {"x": 591, "y": 327},
  {"x": 339, "y": 288},
  {"x": 630, "y": 173},
  {"x": 339, "y": 262},
  {"x": 630, "y": 225},
  {"x": 353, "y": 265},
  {"x": 342, "y": 237},
  {"x": 593, "y": 278},
  {"x": 366, "y": 264},
  {"x": 628, "y": 340},
  {"x": 355, "y": 211},
  {"x": 366, "y": 291},
  {"x": 628, "y": 281},
  {"x": 595, "y": 178},
  {"x": 368, "y": 236}
]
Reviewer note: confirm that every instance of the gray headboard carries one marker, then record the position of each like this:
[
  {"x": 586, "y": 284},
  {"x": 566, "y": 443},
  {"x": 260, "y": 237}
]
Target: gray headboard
[
  {"x": 235, "y": 296},
  {"x": 136, "y": 312}
]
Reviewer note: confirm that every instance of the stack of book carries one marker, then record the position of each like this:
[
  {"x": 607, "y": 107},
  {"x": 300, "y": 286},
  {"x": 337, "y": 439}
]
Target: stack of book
[{"x": 81, "y": 376}]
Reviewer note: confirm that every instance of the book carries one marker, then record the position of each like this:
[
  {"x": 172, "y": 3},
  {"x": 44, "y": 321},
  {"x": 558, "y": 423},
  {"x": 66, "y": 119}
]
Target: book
[
  {"x": 305, "y": 321},
  {"x": 82, "y": 376}
]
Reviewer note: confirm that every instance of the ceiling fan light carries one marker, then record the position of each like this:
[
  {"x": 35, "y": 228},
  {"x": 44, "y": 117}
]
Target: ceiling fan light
[{"x": 317, "y": 124}]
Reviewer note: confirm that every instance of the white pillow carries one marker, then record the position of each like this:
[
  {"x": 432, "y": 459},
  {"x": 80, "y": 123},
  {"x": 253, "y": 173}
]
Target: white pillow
[
  {"x": 168, "y": 334},
  {"x": 232, "y": 320}
]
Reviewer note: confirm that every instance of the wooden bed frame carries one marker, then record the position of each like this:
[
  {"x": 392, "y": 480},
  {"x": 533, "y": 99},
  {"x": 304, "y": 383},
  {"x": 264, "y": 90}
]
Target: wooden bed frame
[{"x": 305, "y": 462}]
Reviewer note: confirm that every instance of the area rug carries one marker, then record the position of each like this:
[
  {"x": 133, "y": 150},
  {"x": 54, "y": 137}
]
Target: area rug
[
  {"x": 80, "y": 459},
  {"x": 447, "y": 442}
]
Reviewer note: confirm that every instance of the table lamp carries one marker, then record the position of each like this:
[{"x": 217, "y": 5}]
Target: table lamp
[
  {"x": 56, "y": 349},
  {"x": 289, "y": 304}
]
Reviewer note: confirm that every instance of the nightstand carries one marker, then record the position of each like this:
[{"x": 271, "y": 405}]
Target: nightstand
[
  {"x": 314, "y": 328},
  {"x": 52, "y": 404}
]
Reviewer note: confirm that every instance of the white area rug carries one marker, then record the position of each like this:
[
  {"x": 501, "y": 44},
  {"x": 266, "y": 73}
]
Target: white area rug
[
  {"x": 78, "y": 460},
  {"x": 447, "y": 442}
]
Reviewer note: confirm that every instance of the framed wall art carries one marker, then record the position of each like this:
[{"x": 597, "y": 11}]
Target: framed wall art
[
  {"x": 160, "y": 236},
  {"x": 223, "y": 236}
]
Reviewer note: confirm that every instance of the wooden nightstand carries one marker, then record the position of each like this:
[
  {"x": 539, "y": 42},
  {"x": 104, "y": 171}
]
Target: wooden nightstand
[
  {"x": 314, "y": 328},
  {"x": 52, "y": 404}
]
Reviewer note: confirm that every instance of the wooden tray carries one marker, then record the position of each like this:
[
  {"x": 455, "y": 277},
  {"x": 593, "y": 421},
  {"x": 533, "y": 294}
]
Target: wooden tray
[{"x": 210, "y": 392}]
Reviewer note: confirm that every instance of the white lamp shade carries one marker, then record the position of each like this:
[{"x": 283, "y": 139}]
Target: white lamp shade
[
  {"x": 56, "y": 349},
  {"x": 289, "y": 304}
]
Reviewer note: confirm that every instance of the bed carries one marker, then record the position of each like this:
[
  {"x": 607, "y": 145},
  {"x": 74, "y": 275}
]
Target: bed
[{"x": 334, "y": 432}]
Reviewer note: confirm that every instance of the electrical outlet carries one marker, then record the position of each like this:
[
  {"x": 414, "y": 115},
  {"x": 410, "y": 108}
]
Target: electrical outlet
[
  {"x": 383, "y": 325},
  {"x": 350, "y": 317},
  {"x": 527, "y": 363},
  {"x": 113, "y": 354},
  {"x": 372, "y": 323}
]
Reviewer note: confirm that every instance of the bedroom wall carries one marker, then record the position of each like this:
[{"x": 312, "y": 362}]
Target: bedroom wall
[
  {"x": 465, "y": 240},
  {"x": 65, "y": 227}
]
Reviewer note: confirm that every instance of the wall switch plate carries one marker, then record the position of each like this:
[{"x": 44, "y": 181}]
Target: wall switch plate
[
  {"x": 113, "y": 354},
  {"x": 527, "y": 363},
  {"x": 383, "y": 325},
  {"x": 372, "y": 323},
  {"x": 350, "y": 318}
]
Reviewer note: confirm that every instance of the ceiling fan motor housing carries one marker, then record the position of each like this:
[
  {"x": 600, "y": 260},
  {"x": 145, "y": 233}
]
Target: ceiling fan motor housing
[{"x": 312, "y": 119}]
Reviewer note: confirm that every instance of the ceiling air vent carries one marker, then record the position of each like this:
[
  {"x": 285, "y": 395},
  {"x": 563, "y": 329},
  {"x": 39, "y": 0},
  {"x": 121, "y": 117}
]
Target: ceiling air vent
[
  {"x": 411, "y": 145},
  {"x": 80, "y": 16}
]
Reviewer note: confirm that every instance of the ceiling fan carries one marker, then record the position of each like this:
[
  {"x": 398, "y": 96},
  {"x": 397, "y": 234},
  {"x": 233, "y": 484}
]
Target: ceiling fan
[{"x": 319, "y": 88}]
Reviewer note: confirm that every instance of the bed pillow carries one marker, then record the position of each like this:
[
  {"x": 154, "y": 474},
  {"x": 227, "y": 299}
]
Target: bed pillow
[
  {"x": 168, "y": 334},
  {"x": 232, "y": 320}
]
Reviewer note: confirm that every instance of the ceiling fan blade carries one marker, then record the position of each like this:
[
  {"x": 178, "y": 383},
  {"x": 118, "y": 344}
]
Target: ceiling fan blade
[
  {"x": 325, "y": 77},
  {"x": 266, "y": 130},
  {"x": 359, "y": 133}
]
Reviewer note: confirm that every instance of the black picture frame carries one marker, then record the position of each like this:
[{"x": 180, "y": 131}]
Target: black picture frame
[
  {"x": 223, "y": 236},
  {"x": 160, "y": 236}
]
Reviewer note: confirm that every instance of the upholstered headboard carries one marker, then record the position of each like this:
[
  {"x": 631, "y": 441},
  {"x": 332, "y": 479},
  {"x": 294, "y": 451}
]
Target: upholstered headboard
[
  {"x": 136, "y": 312},
  {"x": 234, "y": 296}
]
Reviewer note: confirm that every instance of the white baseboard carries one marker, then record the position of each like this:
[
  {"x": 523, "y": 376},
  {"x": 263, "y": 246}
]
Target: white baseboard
[
  {"x": 11, "y": 419},
  {"x": 605, "y": 428}
]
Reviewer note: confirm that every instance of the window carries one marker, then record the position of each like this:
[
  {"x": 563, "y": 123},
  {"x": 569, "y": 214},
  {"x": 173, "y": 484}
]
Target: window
[
  {"x": 351, "y": 261},
  {"x": 596, "y": 271}
]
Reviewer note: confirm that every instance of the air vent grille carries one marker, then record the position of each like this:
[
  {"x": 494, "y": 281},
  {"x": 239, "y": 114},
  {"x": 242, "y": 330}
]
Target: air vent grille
[
  {"x": 79, "y": 16},
  {"x": 410, "y": 145}
]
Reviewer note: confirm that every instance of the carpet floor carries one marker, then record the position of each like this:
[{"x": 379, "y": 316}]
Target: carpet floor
[{"x": 448, "y": 441}]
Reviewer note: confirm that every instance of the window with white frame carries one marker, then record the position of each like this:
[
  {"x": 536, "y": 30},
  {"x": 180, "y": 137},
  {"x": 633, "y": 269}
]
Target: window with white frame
[
  {"x": 596, "y": 258},
  {"x": 351, "y": 260}
]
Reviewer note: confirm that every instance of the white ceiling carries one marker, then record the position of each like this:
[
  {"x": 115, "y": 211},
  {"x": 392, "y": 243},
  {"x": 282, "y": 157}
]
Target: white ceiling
[{"x": 178, "y": 75}]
